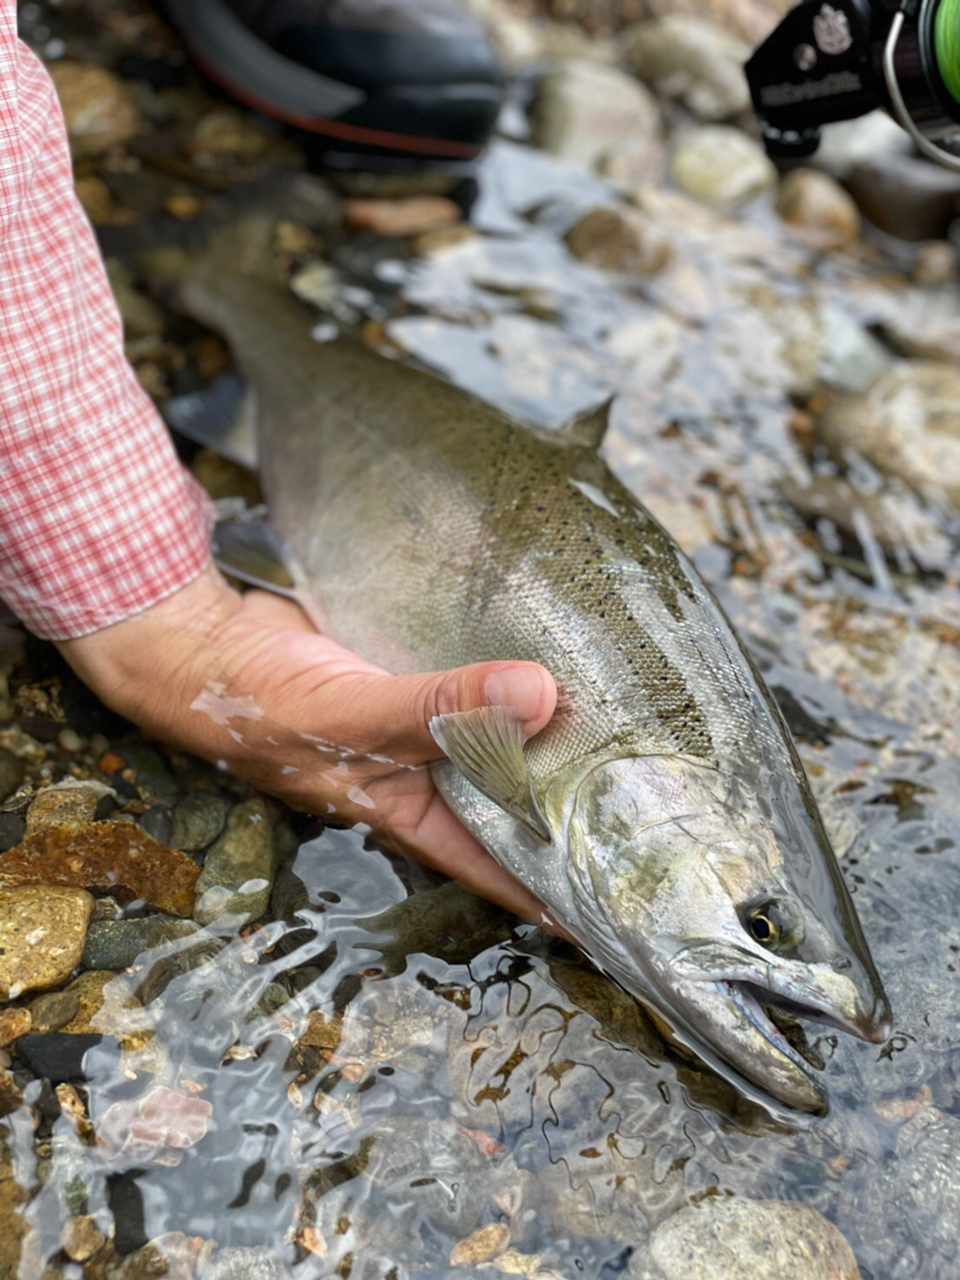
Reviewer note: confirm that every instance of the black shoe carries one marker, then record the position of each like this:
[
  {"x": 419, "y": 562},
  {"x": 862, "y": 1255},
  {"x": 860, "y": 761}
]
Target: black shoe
[{"x": 412, "y": 79}]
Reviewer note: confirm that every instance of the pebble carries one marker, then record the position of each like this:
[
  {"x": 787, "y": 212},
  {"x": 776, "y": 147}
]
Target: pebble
[
  {"x": 245, "y": 1264},
  {"x": 410, "y": 216},
  {"x": 59, "y": 1057},
  {"x": 12, "y": 828},
  {"x": 239, "y": 870},
  {"x": 162, "y": 1119},
  {"x": 81, "y": 1238},
  {"x": 53, "y": 1011},
  {"x": 11, "y": 773},
  {"x": 118, "y": 944},
  {"x": 618, "y": 238},
  {"x": 693, "y": 60},
  {"x": 70, "y": 741},
  {"x": 106, "y": 1005},
  {"x": 198, "y": 820},
  {"x": 65, "y": 804},
  {"x": 483, "y": 1245},
  {"x": 97, "y": 106},
  {"x": 925, "y": 323},
  {"x": 173, "y": 1255},
  {"x": 906, "y": 196},
  {"x": 729, "y": 1238},
  {"x": 937, "y": 264},
  {"x": 598, "y": 117},
  {"x": 42, "y": 932},
  {"x": 14, "y": 1023},
  {"x": 721, "y": 166},
  {"x": 13, "y": 1224},
  {"x": 818, "y": 209},
  {"x": 94, "y": 194},
  {"x": 227, "y": 134},
  {"x": 157, "y": 822},
  {"x": 906, "y": 425},
  {"x": 847, "y": 143}
]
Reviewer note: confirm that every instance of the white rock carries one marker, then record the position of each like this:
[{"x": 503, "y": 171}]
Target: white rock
[{"x": 721, "y": 166}]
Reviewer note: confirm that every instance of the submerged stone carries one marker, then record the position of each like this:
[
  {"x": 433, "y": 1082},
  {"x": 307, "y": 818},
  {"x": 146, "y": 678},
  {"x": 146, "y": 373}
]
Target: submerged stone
[
  {"x": 42, "y": 932},
  {"x": 246, "y": 1264},
  {"x": 722, "y": 166},
  {"x": 693, "y": 60},
  {"x": 117, "y": 944},
  {"x": 197, "y": 821},
  {"x": 104, "y": 855},
  {"x": 97, "y": 107},
  {"x": 239, "y": 870},
  {"x": 66, "y": 804},
  {"x": 59, "y": 1056},
  {"x": 11, "y": 773},
  {"x": 619, "y": 238},
  {"x": 727, "y": 1239}
]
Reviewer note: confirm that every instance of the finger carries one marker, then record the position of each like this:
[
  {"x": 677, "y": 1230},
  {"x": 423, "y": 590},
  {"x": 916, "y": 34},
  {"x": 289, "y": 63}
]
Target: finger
[{"x": 391, "y": 715}]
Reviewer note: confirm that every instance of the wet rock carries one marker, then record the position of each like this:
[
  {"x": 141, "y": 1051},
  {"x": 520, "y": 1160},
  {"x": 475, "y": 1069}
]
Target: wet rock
[
  {"x": 173, "y": 1255},
  {"x": 227, "y": 134},
  {"x": 52, "y": 1012},
  {"x": 818, "y": 209},
  {"x": 157, "y": 822},
  {"x": 70, "y": 803},
  {"x": 197, "y": 820},
  {"x": 412, "y": 216},
  {"x": 104, "y": 855},
  {"x": 11, "y": 773},
  {"x": 160, "y": 1120},
  {"x": 937, "y": 264},
  {"x": 726, "y": 1239},
  {"x": 596, "y": 116},
  {"x": 847, "y": 143},
  {"x": 448, "y": 922},
  {"x": 482, "y": 1245},
  {"x": 618, "y": 238},
  {"x": 429, "y": 1168},
  {"x": 245, "y": 1264},
  {"x": 693, "y": 60},
  {"x": 94, "y": 194},
  {"x": 905, "y": 195},
  {"x": 42, "y": 931},
  {"x": 59, "y": 1057},
  {"x": 923, "y": 1182},
  {"x": 97, "y": 107},
  {"x": 721, "y": 166},
  {"x": 118, "y": 944},
  {"x": 81, "y": 1238},
  {"x": 239, "y": 870},
  {"x": 13, "y": 1226},
  {"x": 906, "y": 425},
  {"x": 14, "y": 1023},
  {"x": 12, "y": 828},
  {"x": 106, "y": 1005},
  {"x": 925, "y": 323},
  {"x": 154, "y": 781}
]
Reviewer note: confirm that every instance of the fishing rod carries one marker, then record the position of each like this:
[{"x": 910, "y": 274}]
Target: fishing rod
[{"x": 828, "y": 62}]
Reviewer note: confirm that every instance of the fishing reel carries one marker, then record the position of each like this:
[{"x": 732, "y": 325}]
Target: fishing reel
[{"x": 833, "y": 61}]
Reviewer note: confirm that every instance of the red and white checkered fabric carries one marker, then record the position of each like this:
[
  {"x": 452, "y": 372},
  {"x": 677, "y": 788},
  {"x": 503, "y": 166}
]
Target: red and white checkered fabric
[{"x": 98, "y": 520}]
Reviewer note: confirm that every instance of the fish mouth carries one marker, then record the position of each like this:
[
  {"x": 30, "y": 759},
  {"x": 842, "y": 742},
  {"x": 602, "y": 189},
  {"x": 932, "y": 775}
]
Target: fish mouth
[{"x": 776, "y": 1021}]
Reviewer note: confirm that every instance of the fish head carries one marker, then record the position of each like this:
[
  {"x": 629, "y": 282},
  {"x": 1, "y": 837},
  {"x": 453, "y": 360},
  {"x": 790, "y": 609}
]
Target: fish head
[{"x": 712, "y": 908}]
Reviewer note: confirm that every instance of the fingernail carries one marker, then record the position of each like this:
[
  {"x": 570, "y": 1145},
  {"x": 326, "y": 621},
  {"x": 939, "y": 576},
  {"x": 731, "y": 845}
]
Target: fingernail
[{"x": 519, "y": 687}]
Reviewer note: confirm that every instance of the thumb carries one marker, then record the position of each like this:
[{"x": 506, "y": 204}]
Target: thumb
[{"x": 394, "y": 712}]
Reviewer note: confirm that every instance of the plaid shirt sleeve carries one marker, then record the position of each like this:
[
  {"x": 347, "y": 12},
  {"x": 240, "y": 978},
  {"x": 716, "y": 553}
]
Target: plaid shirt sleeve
[{"x": 98, "y": 520}]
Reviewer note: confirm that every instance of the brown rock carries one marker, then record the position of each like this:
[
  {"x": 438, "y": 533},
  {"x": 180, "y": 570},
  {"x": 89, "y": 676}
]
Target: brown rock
[
  {"x": 412, "y": 216},
  {"x": 617, "y": 238},
  {"x": 52, "y": 1012},
  {"x": 104, "y": 855},
  {"x": 482, "y": 1245},
  {"x": 106, "y": 1005},
  {"x": 12, "y": 1225},
  {"x": 818, "y": 209},
  {"x": 66, "y": 805},
  {"x": 42, "y": 932},
  {"x": 14, "y": 1023},
  {"x": 97, "y": 107},
  {"x": 94, "y": 195},
  {"x": 81, "y": 1238}
]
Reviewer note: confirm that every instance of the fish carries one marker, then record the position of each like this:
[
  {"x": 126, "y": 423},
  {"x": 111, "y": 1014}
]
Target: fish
[{"x": 663, "y": 815}]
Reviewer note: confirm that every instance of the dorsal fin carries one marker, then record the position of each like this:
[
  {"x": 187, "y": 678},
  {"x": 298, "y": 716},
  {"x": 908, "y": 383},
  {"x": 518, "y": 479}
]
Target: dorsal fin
[{"x": 586, "y": 430}]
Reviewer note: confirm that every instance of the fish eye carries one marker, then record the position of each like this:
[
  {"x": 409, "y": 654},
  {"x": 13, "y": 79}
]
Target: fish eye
[{"x": 774, "y": 924}]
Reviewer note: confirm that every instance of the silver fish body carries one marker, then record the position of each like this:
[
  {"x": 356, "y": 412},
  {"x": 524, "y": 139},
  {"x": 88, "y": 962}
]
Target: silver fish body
[{"x": 662, "y": 816}]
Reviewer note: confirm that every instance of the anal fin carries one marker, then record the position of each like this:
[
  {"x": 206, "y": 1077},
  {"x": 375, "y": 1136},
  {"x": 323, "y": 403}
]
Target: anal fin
[
  {"x": 251, "y": 551},
  {"x": 487, "y": 746}
]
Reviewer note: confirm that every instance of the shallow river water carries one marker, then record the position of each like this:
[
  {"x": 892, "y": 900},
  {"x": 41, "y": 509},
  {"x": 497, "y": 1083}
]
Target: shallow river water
[{"x": 378, "y": 1065}]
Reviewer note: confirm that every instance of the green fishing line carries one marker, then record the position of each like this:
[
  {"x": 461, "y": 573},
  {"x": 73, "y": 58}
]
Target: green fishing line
[{"x": 947, "y": 37}]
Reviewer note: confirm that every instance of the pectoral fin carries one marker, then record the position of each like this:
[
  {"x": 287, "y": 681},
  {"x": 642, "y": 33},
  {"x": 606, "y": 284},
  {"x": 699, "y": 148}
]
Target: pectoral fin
[
  {"x": 222, "y": 417},
  {"x": 487, "y": 745},
  {"x": 251, "y": 551}
]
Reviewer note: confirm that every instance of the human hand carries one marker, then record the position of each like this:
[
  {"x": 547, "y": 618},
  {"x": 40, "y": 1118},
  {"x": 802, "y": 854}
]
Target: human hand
[{"x": 245, "y": 679}]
